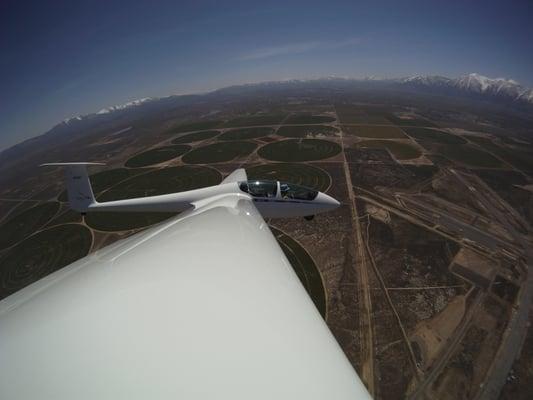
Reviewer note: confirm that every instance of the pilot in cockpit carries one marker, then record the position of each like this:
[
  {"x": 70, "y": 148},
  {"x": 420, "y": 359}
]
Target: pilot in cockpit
[{"x": 284, "y": 189}]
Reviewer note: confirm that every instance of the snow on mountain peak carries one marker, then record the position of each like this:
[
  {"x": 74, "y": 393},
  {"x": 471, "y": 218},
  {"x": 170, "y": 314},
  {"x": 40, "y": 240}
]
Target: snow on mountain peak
[
  {"x": 476, "y": 83},
  {"x": 71, "y": 119},
  {"x": 124, "y": 106}
]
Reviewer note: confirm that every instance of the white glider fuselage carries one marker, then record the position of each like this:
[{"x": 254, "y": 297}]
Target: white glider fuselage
[
  {"x": 272, "y": 205},
  {"x": 273, "y": 199}
]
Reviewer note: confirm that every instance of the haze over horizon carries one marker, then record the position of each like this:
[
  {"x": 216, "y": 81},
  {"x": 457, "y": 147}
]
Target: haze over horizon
[{"x": 69, "y": 58}]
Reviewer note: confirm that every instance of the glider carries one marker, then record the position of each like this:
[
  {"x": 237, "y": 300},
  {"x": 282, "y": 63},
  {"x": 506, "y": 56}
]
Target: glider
[{"x": 202, "y": 306}]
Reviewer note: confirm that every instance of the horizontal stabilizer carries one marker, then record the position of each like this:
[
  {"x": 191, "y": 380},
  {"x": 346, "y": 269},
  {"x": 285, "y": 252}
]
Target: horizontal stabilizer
[{"x": 236, "y": 176}]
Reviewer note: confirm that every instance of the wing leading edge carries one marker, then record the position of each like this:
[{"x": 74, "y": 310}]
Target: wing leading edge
[{"x": 203, "y": 306}]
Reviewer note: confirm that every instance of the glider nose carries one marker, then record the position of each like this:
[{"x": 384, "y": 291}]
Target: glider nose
[{"x": 327, "y": 201}]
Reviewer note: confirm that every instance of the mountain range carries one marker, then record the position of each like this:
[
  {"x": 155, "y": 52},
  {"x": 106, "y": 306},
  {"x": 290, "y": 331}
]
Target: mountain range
[
  {"x": 501, "y": 92},
  {"x": 498, "y": 89},
  {"x": 506, "y": 89}
]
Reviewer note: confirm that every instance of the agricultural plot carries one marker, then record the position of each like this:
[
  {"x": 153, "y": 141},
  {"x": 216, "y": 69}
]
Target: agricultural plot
[
  {"x": 414, "y": 121},
  {"x": 299, "y": 150},
  {"x": 307, "y": 131},
  {"x": 246, "y": 133},
  {"x": 400, "y": 150},
  {"x": 378, "y": 132},
  {"x": 518, "y": 158},
  {"x": 219, "y": 152},
  {"x": 470, "y": 156},
  {"x": 256, "y": 120},
  {"x": 352, "y": 114},
  {"x": 157, "y": 155},
  {"x": 196, "y": 126},
  {"x": 308, "y": 119},
  {"x": 434, "y": 136},
  {"x": 195, "y": 137}
]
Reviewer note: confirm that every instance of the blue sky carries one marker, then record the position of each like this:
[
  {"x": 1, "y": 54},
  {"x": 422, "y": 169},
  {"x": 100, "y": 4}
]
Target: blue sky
[{"x": 60, "y": 59}]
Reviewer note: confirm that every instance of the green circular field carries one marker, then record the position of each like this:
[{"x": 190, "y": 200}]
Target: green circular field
[
  {"x": 246, "y": 133},
  {"x": 305, "y": 268},
  {"x": 219, "y": 152},
  {"x": 307, "y": 131},
  {"x": 195, "y": 137},
  {"x": 300, "y": 174},
  {"x": 157, "y": 155},
  {"x": 27, "y": 222},
  {"x": 105, "y": 179},
  {"x": 41, "y": 254},
  {"x": 163, "y": 181},
  {"x": 299, "y": 150}
]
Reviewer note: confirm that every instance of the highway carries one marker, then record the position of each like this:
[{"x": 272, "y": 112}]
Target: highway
[{"x": 366, "y": 329}]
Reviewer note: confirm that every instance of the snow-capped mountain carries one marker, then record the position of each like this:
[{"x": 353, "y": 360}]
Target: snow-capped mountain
[
  {"x": 69, "y": 120},
  {"x": 476, "y": 84},
  {"x": 107, "y": 110},
  {"x": 133, "y": 103}
]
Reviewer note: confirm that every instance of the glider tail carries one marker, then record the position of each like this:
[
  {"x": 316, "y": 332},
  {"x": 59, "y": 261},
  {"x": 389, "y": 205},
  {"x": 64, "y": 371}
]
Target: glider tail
[{"x": 80, "y": 192}]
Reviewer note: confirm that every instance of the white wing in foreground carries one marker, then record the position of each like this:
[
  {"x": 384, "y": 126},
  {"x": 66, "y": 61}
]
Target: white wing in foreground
[{"x": 204, "y": 306}]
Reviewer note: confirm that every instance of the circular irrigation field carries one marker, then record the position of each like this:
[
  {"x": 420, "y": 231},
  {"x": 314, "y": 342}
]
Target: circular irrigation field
[
  {"x": 307, "y": 131},
  {"x": 195, "y": 137},
  {"x": 246, "y": 133},
  {"x": 157, "y": 155},
  {"x": 300, "y": 174},
  {"x": 299, "y": 150},
  {"x": 41, "y": 254},
  {"x": 219, "y": 152},
  {"x": 27, "y": 222},
  {"x": 305, "y": 268}
]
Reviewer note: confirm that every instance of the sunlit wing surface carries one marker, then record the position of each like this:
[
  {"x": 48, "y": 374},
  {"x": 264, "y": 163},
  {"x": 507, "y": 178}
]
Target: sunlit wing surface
[{"x": 204, "y": 306}]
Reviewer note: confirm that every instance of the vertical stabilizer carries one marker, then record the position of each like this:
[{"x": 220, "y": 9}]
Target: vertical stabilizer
[{"x": 80, "y": 193}]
